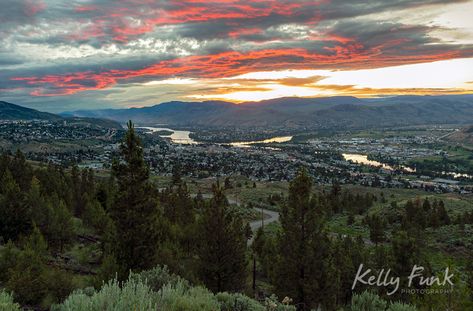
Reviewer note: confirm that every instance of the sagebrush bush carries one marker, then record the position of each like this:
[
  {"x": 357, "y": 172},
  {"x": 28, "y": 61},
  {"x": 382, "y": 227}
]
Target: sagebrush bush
[
  {"x": 367, "y": 301},
  {"x": 399, "y": 306},
  {"x": 158, "y": 289},
  {"x": 157, "y": 277},
  {"x": 181, "y": 297},
  {"x": 6, "y": 302},
  {"x": 237, "y": 302},
  {"x": 131, "y": 295}
]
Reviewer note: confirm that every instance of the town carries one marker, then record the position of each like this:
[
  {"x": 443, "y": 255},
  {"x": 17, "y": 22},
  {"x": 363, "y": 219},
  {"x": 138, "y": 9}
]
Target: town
[{"x": 327, "y": 158}]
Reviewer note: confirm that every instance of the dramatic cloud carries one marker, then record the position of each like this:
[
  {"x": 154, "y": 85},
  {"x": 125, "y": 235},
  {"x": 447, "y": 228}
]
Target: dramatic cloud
[{"x": 58, "y": 55}]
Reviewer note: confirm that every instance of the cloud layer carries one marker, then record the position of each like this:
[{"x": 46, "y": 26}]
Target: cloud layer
[{"x": 61, "y": 55}]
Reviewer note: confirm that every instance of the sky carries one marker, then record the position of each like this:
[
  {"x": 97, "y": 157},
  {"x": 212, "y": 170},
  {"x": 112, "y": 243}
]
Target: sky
[{"x": 93, "y": 54}]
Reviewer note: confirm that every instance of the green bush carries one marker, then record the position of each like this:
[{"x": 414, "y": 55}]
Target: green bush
[
  {"x": 367, "y": 302},
  {"x": 27, "y": 278},
  {"x": 6, "y": 302},
  {"x": 272, "y": 304},
  {"x": 399, "y": 306},
  {"x": 179, "y": 297},
  {"x": 131, "y": 295},
  {"x": 158, "y": 289},
  {"x": 371, "y": 302},
  {"x": 8, "y": 258},
  {"x": 237, "y": 302},
  {"x": 157, "y": 277}
]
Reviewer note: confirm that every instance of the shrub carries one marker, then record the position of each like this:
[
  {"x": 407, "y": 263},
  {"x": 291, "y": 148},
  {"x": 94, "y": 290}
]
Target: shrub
[
  {"x": 6, "y": 302},
  {"x": 367, "y": 302},
  {"x": 179, "y": 297},
  {"x": 272, "y": 304},
  {"x": 371, "y": 302},
  {"x": 399, "y": 306},
  {"x": 237, "y": 302},
  {"x": 132, "y": 295},
  {"x": 157, "y": 277},
  {"x": 8, "y": 258},
  {"x": 27, "y": 278},
  {"x": 158, "y": 289}
]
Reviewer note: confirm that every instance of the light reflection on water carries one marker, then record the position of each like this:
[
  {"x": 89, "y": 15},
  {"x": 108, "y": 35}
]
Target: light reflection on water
[
  {"x": 280, "y": 139},
  {"x": 179, "y": 137},
  {"x": 363, "y": 159},
  {"x": 183, "y": 137}
]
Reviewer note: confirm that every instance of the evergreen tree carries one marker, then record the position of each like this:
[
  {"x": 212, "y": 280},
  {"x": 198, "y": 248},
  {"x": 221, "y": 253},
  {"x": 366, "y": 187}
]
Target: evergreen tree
[
  {"x": 60, "y": 226},
  {"x": 27, "y": 278},
  {"x": 21, "y": 171},
  {"x": 377, "y": 227},
  {"x": 469, "y": 270},
  {"x": 406, "y": 253},
  {"x": 305, "y": 265},
  {"x": 15, "y": 218},
  {"x": 176, "y": 174},
  {"x": 135, "y": 211},
  {"x": 222, "y": 261},
  {"x": 442, "y": 214}
]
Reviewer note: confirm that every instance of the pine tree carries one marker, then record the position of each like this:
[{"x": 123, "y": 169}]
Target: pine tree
[
  {"x": 406, "y": 252},
  {"x": 176, "y": 174},
  {"x": 469, "y": 270},
  {"x": 15, "y": 218},
  {"x": 21, "y": 171},
  {"x": 135, "y": 211},
  {"x": 27, "y": 278},
  {"x": 60, "y": 226},
  {"x": 222, "y": 261},
  {"x": 376, "y": 225},
  {"x": 304, "y": 267}
]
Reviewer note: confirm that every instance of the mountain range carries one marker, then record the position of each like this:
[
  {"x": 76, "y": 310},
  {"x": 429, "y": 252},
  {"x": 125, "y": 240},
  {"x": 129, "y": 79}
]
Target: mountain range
[
  {"x": 9, "y": 111},
  {"x": 329, "y": 112}
]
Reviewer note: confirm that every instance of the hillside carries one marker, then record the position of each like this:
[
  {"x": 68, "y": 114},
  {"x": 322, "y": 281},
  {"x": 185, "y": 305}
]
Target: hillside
[
  {"x": 330, "y": 112},
  {"x": 12, "y": 112},
  {"x": 463, "y": 136}
]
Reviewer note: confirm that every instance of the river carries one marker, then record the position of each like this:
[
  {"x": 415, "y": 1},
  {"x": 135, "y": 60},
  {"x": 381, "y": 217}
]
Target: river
[
  {"x": 245, "y": 144},
  {"x": 183, "y": 137},
  {"x": 363, "y": 159},
  {"x": 179, "y": 137}
]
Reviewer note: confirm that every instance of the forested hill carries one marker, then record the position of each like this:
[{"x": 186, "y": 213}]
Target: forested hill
[
  {"x": 9, "y": 111},
  {"x": 12, "y": 112},
  {"x": 329, "y": 112}
]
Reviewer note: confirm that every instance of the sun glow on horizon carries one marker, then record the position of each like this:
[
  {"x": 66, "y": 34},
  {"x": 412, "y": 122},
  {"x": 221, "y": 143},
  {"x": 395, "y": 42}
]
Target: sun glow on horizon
[{"x": 442, "y": 77}]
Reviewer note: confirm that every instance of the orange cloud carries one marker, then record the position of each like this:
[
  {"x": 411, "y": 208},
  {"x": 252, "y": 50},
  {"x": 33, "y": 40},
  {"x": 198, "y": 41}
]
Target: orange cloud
[{"x": 226, "y": 64}]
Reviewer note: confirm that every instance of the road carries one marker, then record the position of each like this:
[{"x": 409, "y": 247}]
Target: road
[{"x": 268, "y": 215}]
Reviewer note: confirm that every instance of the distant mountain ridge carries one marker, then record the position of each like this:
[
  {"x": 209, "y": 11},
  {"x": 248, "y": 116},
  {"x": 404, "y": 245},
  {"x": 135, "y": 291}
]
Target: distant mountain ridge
[
  {"x": 9, "y": 111},
  {"x": 327, "y": 112},
  {"x": 12, "y": 112}
]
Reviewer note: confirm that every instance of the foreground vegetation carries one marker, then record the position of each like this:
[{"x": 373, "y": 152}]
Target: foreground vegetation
[{"x": 73, "y": 241}]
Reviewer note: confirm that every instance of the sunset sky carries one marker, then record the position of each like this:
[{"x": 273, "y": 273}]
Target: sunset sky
[{"x": 90, "y": 54}]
